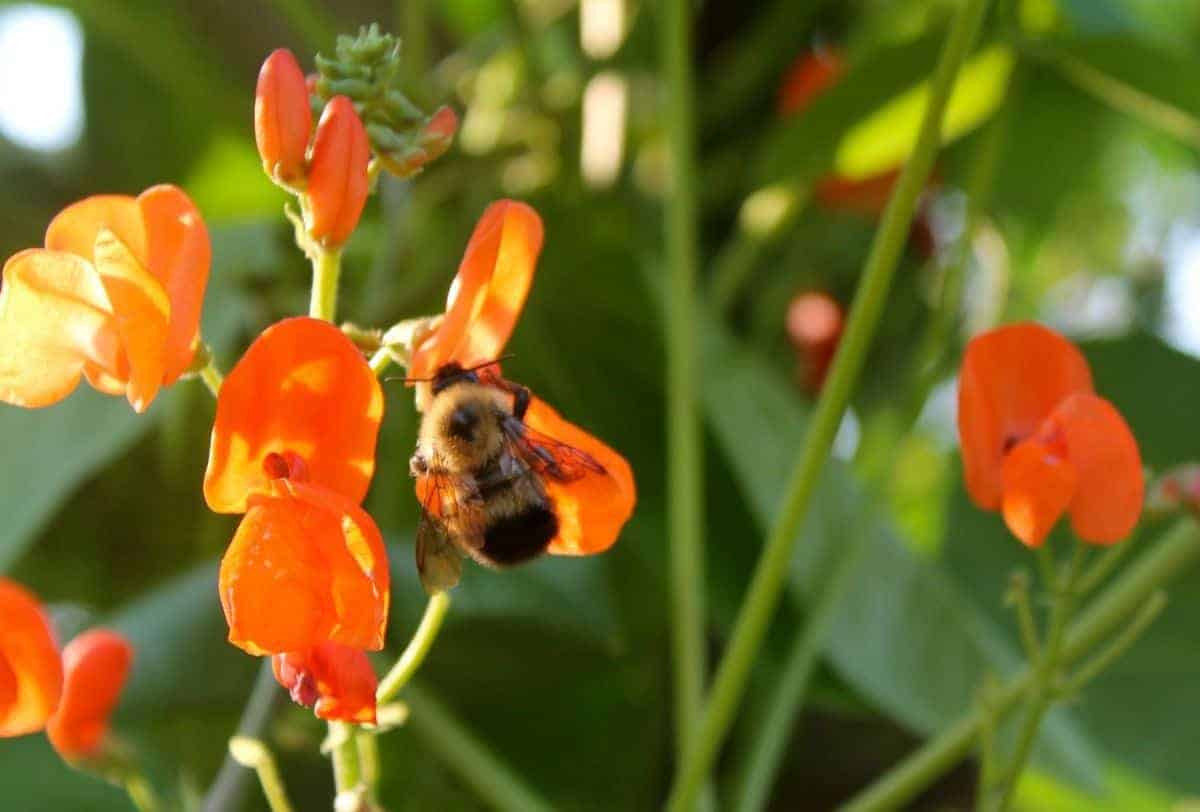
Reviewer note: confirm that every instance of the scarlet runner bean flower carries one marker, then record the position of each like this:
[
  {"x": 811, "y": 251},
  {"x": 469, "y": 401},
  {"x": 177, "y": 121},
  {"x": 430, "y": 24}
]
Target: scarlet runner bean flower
[
  {"x": 337, "y": 682},
  {"x": 96, "y": 664},
  {"x": 115, "y": 296},
  {"x": 482, "y": 309},
  {"x": 31, "y": 674},
  {"x": 338, "y": 181},
  {"x": 282, "y": 117},
  {"x": 293, "y": 448},
  {"x": 1038, "y": 443}
]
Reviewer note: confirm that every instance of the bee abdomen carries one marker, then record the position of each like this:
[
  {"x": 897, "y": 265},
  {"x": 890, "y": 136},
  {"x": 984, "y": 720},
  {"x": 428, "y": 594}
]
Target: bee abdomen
[{"x": 519, "y": 537}]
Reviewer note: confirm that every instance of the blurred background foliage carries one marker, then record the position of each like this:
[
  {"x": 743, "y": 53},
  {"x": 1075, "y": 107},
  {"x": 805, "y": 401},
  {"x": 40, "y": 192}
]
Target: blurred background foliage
[{"x": 1072, "y": 167}]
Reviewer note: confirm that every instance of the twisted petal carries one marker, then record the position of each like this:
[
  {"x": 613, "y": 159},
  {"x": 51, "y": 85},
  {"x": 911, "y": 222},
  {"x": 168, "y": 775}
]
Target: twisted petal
[
  {"x": 31, "y": 674},
  {"x": 55, "y": 323},
  {"x": 306, "y": 566},
  {"x": 337, "y": 682},
  {"x": 488, "y": 292},
  {"x": 96, "y": 664},
  {"x": 1012, "y": 378},
  {"x": 593, "y": 509},
  {"x": 304, "y": 388}
]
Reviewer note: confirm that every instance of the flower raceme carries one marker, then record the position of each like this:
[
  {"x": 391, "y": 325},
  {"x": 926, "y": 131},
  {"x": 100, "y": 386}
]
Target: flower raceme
[
  {"x": 1037, "y": 442},
  {"x": 293, "y": 448},
  {"x": 482, "y": 309},
  {"x": 71, "y": 696},
  {"x": 115, "y": 296}
]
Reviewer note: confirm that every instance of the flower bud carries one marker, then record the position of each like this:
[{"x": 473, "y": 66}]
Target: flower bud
[
  {"x": 96, "y": 664},
  {"x": 814, "y": 326},
  {"x": 282, "y": 116},
  {"x": 337, "y": 180}
]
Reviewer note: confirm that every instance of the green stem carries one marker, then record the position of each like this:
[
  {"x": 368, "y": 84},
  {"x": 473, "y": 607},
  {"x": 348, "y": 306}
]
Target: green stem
[
  {"x": 769, "y": 576},
  {"x": 1119, "y": 645},
  {"x": 448, "y": 739},
  {"x": 327, "y": 270},
  {"x": 685, "y": 475},
  {"x": 141, "y": 793},
  {"x": 1109, "y": 560},
  {"x": 255, "y": 755},
  {"x": 1178, "y": 549},
  {"x": 347, "y": 776},
  {"x": 381, "y": 359},
  {"x": 368, "y": 761},
  {"x": 212, "y": 378},
  {"x": 769, "y": 736},
  {"x": 414, "y": 654},
  {"x": 1043, "y": 690}
]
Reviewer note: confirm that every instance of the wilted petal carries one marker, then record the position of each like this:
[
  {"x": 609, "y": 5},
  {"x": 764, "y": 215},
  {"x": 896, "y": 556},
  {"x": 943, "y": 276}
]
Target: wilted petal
[
  {"x": 301, "y": 387},
  {"x": 32, "y": 680},
  {"x": 96, "y": 665},
  {"x": 337, "y": 682},
  {"x": 488, "y": 292},
  {"x": 593, "y": 509}
]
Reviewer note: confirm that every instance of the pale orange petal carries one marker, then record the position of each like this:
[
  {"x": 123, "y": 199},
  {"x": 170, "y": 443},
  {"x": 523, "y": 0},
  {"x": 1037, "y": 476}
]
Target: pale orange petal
[
  {"x": 1038, "y": 487},
  {"x": 302, "y": 387},
  {"x": 591, "y": 510},
  {"x": 76, "y": 227}
]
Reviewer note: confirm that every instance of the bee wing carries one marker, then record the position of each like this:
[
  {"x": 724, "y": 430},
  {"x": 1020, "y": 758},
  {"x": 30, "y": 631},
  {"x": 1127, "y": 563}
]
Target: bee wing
[
  {"x": 548, "y": 458},
  {"x": 439, "y": 562}
]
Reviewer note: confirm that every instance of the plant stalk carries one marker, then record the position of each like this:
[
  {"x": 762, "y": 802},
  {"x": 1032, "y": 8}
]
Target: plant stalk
[
  {"x": 414, "y": 654},
  {"x": 771, "y": 572},
  {"x": 327, "y": 270}
]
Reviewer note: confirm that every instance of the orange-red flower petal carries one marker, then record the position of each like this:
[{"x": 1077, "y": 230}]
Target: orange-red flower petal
[
  {"x": 810, "y": 75},
  {"x": 301, "y": 387},
  {"x": 55, "y": 323},
  {"x": 306, "y": 566},
  {"x": 1038, "y": 487},
  {"x": 337, "y": 682},
  {"x": 337, "y": 174},
  {"x": 31, "y": 674},
  {"x": 592, "y": 510},
  {"x": 282, "y": 116},
  {"x": 1098, "y": 443},
  {"x": 97, "y": 664},
  {"x": 1012, "y": 378},
  {"x": 489, "y": 291}
]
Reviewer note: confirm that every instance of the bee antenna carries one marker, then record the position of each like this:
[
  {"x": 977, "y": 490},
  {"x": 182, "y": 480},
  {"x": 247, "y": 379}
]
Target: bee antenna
[
  {"x": 493, "y": 362},
  {"x": 470, "y": 369}
]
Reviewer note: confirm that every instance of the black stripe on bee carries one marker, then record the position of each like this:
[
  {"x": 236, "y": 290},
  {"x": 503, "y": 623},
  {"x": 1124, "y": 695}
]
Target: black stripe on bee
[{"x": 520, "y": 537}]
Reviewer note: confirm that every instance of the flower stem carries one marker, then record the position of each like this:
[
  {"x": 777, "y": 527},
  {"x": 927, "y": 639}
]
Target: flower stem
[
  {"x": 327, "y": 270},
  {"x": 368, "y": 760},
  {"x": 414, "y": 654},
  {"x": 1178, "y": 549},
  {"x": 141, "y": 793},
  {"x": 1046, "y": 671},
  {"x": 685, "y": 475},
  {"x": 346, "y": 773},
  {"x": 381, "y": 359},
  {"x": 253, "y": 754},
  {"x": 773, "y": 566},
  {"x": 469, "y": 757},
  {"x": 212, "y": 378},
  {"x": 226, "y": 790}
]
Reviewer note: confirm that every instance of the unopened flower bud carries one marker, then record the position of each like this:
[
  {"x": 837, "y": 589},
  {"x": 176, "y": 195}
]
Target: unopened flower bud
[
  {"x": 337, "y": 179},
  {"x": 282, "y": 116}
]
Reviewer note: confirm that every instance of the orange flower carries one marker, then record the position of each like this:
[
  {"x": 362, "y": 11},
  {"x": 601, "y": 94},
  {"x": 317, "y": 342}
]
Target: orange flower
[
  {"x": 482, "y": 309},
  {"x": 337, "y": 682},
  {"x": 115, "y": 296},
  {"x": 814, "y": 326},
  {"x": 1037, "y": 443},
  {"x": 293, "y": 447},
  {"x": 31, "y": 675},
  {"x": 337, "y": 175},
  {"x": 97, "y": 665},
  {"x": 282, "y": 116}
]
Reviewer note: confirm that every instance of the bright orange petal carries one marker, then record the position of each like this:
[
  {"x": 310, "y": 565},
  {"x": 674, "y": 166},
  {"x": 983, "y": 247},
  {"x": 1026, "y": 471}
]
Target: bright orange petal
[
  {"x": 143, "y": 314},
  {"x": 1111, "y": 491},
  {"x": 306, "y": 566},
  {"x": 1011, "y": 379},
  {"x": 337, "y": 682},
  {"x": 30, "y": 654},
  {"x": 338, "y": 181},
  {"x": 76, "y": 227},
  {"x": 592, "y": 510},
  {"x": 96, "y": 664},
  {"x": 488, "y": 292},
  {"x": 302, "y": 387},
  {"x": 55, "y": 319},
  {"x": 282, "y": 115},
  {"x": 178, "y": 254},
  {"x": 1038, "y": 486}
]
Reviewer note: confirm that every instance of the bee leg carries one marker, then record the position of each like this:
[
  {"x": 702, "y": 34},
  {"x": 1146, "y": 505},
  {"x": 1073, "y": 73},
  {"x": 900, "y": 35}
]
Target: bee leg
[{"x": 521, "y": 399}]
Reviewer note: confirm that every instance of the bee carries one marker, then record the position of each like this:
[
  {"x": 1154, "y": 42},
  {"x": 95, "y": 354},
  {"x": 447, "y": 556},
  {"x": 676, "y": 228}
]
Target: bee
[{"x": 481, "y": 476}]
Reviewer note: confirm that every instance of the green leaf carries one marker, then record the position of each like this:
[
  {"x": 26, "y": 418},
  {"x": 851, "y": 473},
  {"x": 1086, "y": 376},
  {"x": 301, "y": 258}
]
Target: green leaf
[
  {"x": 35, "y": 779},
  {"x": 50, "y": 452},
  {"x": 905, "y": 637}
]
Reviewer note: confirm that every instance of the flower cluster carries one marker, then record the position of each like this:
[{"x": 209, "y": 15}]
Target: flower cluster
[
  {"x": 1037, "y": 442},
  {"x": 69, "y": 695}
]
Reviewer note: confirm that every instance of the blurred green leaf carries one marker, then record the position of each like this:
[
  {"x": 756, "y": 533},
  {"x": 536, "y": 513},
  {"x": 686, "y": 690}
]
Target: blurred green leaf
[{"x": 35, "y": 779}]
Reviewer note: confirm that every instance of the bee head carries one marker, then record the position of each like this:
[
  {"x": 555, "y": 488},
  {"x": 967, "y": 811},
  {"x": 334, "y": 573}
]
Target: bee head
[{"x": 450, "y": 374}]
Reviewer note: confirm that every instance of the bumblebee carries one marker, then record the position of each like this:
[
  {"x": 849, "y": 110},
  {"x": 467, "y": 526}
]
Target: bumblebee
[{"x": 481, "y": 476}]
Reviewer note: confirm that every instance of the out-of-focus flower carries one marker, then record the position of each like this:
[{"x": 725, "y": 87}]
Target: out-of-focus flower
[
  {"x": 31, "y": 674},
  {"x": 282, "y": 116},
  {"x": 337, "y": 682},
  {"x": 293, "y": 447},
  {"x": 1038, "y": 443},
  {"x": 115, "y": 297},
  {"x": 482, "y": 309},
  {"x": 814, "y": 324},
  {"x": 96, "y": 664},
  {"x": 337, "y": 177}
]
